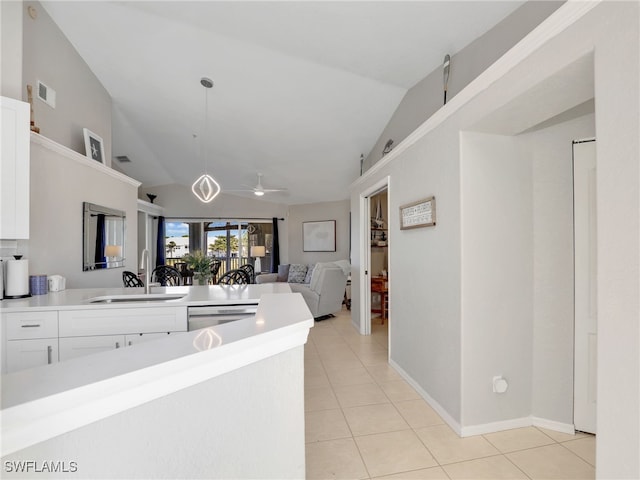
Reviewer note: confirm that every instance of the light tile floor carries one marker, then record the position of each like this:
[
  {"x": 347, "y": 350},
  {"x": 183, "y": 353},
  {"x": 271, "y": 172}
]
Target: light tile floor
[{"x": 364, "y": 421}]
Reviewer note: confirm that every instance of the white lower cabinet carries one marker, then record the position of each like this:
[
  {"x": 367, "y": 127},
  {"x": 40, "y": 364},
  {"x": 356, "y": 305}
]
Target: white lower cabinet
[
  {"x": 23, "y": 354},
  {"x": 145, "y": 337},
  {"x": 31, "y": 339},
  {"x": 38, "y": 338},
  {"x": 72, "y": 347}
]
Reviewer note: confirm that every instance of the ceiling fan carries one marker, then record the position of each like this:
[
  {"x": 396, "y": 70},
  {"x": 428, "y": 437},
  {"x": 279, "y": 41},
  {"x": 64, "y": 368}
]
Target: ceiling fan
[{"x": 258, "y": 189}]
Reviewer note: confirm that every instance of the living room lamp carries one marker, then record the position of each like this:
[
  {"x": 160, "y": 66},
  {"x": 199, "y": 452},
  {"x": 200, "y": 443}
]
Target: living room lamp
[
  {"x": 258, "y": 252},
  {"x": 205, "y": 188}
]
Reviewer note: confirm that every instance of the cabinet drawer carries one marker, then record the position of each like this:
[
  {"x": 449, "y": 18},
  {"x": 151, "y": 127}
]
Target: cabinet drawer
[
  {"x": 31, "y": 325},
  {"x": 109, "y": 321}
]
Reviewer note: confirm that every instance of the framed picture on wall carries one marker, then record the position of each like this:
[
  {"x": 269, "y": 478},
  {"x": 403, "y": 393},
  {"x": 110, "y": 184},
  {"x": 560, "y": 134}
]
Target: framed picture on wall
[
  {"x": 319, "y": 236},
  {"x": 93, "y": 146},
  {"x": 418, "y": 214}
]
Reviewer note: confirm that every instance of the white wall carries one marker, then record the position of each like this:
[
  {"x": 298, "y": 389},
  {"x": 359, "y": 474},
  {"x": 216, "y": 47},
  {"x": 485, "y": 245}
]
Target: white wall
[
  {"x": 11, "y": 14},
  {"x": 497, "y": 272},
  {"x": 425, "y": 308},
  {"x": 298, "y": 214},
  {"x": 81, "y": 100},
  {"x": 248, "y": 423},
  {"x": 424, "y": 98},
  {"x": 58, "y": 188},
  {"x": 424, "y": 267},
  {"x": 553, "y": 279}
]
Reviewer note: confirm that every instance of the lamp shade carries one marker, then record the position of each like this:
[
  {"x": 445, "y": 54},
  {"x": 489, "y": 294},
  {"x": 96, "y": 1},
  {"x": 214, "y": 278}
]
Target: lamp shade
[
  {"x": 113, "y": 251},
  {"x": 258, "y": 251}
]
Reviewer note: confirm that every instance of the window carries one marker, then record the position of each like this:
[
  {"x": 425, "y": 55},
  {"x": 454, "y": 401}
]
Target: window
[{"x": 230, "y": 241}]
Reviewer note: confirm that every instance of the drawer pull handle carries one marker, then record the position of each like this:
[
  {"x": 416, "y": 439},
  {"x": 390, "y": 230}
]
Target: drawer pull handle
[
  {"x": 117, "y": 344},
  {"x": 129, "y": 342},
  {"x": 49, "y": 354},
  {"x": 31, "y": 325}
]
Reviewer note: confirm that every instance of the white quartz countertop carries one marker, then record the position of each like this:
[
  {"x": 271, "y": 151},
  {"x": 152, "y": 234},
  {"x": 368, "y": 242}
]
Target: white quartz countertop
[
  {"x": 81, "y": 298},
  {"x": 47, "y": 401}
]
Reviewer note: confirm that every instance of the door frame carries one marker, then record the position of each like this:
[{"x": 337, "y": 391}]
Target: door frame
[
  {"x": 365, "y": 250},
  {"x": 584, "y": 417}
]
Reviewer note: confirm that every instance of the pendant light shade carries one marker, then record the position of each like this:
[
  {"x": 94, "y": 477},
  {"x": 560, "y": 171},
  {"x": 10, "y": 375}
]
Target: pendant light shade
[{"x": 205, "y": 188}]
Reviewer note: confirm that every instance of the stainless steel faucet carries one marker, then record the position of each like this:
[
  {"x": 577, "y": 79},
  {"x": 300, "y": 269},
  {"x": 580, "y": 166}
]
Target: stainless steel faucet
[{"x": 147, "y": 270}]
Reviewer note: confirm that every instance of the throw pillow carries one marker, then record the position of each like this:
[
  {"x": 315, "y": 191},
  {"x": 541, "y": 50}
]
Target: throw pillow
[
  {"x": 297, "y": 273},
  {"x": 283, "y": 273},
  {"x": 307, "y": 278}
]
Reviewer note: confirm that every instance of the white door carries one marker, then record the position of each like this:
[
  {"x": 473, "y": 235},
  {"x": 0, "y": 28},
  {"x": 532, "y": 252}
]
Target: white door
[
  {"x": 23, "y": 354},
  {"x": 585, "y": 242}
]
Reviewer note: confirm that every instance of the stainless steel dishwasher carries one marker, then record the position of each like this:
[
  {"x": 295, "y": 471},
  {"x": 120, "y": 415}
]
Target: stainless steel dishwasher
[{"x": 211, "y": 315}]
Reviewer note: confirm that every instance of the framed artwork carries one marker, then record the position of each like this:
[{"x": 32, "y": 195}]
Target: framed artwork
[
  {"x": 319, "y": 236},
  {"x": 418, "y": 214},
  {"x": 93, "y": 146}
]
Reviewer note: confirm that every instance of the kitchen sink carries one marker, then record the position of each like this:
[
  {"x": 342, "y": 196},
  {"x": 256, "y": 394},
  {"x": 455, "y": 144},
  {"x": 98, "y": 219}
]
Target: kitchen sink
[{"x": 148, "y": 297}]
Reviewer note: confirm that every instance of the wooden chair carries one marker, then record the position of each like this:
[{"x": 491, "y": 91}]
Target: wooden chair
[
  {"x": 166, "y": 276},
  {"x": 380, "y": 286},
  {"x": 234, "y": 277},
  {"x": 130, "y": 279}
]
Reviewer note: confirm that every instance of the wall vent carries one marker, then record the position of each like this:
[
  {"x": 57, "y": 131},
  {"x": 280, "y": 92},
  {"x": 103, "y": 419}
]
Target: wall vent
[
  {"x": 46, "y": 94},
  {"x": 123, "y": 159}
]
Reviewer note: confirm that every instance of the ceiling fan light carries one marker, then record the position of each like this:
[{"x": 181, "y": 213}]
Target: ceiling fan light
[{"x": 259, "y": 193}]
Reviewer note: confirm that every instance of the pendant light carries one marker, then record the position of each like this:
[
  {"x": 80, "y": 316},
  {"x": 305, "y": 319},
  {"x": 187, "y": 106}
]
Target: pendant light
[{"x": 205, "y": 188}]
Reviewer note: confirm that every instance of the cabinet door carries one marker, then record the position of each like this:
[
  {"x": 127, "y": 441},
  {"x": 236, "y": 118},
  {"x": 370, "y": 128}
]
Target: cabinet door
[
  {"x": 14, "y": 169},
  {"x": 23, "y": 354},
  {"x": 145, "y": 337},
  {"x": 72, "y": 347}
]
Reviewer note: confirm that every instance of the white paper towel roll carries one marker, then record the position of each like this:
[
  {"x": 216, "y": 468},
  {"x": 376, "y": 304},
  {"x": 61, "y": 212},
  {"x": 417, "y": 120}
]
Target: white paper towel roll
[{"x": 17, "y": 283}]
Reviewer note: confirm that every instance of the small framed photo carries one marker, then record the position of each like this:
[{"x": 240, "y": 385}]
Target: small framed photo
[
  {"x": 319, "y": 236},
  {"x": 418, "y": 214},
  {"x": 93, "y": 145}
]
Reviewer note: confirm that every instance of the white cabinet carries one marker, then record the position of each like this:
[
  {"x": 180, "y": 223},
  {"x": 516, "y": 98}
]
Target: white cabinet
[
  {"x": 72, "y": 347},
  {"x": 123, "y": 321},
  {"x": 145, "y": 337},
  {"x": 35, "y": 338},
  {"x": 31, "y": 339},
  {"x": 14, "y": 169},
  {"x": 83, "y": 332},
  {"x": 23, "y": 354}
]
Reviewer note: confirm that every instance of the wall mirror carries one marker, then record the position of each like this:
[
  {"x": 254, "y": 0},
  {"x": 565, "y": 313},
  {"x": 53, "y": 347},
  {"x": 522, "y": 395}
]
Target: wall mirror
[{"x": 103, "y": 234}]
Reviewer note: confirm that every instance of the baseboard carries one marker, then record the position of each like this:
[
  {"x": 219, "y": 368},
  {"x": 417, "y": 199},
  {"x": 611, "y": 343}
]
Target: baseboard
[
  {"x": 427, "y": 398},
  {"x": 495, "y": 426},
  {"x": 568, "y": 428},
  {"x": 485, "y": 427}
]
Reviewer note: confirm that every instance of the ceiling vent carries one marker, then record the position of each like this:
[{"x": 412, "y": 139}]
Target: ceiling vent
[{"x": 123, "y": 159}]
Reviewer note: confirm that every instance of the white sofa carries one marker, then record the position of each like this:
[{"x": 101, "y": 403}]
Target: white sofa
[{"x": 325, "y": 291}]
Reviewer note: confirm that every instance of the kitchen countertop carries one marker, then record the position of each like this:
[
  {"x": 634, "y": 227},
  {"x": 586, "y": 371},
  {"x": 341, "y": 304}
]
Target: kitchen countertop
[
  {"x": 43, "y": 402},
  {"x": 80, "y": 298}
]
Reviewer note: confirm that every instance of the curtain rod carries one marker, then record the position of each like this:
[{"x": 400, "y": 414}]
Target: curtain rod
[{"x": 209, "y": 219}]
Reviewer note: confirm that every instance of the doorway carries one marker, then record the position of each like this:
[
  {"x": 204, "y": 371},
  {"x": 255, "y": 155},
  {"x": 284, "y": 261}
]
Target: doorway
[
  {"x": 379, "y": 259},
  {"x": 367, "y": 217},
  {"x": 585, "y": 281}
]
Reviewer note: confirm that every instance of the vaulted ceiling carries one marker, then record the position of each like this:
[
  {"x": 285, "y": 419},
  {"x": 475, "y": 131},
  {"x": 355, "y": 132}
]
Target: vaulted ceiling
[{"x": 301, "y": 88}]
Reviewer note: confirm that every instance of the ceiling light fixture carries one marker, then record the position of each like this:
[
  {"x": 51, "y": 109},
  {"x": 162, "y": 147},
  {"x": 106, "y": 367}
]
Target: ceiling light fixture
[{"x": 205, "y": 188}]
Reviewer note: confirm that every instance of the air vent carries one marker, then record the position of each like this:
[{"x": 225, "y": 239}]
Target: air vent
[
  {"x": 123, "y": 159},
  {"x": 46, "y": 94}
]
